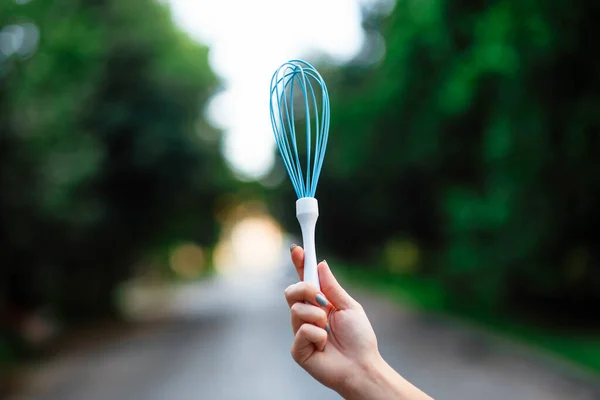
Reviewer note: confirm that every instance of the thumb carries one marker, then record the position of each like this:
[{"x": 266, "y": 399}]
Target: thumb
[{"x": 334, "y": 292}]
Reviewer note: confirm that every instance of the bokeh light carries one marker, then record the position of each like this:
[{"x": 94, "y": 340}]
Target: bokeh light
[
  {"x": 187, "y": 260},
  {"x": 252, "y": 246}
]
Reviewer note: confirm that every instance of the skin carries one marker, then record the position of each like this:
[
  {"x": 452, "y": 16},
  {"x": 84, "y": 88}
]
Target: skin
[{"x": 335, "y": 342}]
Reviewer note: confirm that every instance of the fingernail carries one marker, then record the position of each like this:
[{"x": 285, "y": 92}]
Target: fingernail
[
  {"x": 327, "y": 329},
  {"x": 292, "y": 247},
  {"x": 321, "y": 300}
]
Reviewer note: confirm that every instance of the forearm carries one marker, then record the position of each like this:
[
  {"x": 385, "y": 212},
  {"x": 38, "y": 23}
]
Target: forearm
[{"x": 379, "y": 381}]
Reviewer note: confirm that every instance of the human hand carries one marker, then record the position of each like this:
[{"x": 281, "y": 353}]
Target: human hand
[
  {"x": 335, "y": 358},
  {"x": 335, "y": 342}
]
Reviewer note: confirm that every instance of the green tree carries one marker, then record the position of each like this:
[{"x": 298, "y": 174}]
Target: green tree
[
  {"x": 476, "y": 137},
  {"x": 102, "y": 157}
]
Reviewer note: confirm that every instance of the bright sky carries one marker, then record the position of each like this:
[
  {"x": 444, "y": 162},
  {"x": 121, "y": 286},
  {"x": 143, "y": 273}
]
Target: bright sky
[{"x": 249, "y": 40}]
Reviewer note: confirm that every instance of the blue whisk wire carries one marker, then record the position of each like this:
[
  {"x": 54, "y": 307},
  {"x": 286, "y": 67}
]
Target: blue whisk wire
[{"x": 285, "y": 78}]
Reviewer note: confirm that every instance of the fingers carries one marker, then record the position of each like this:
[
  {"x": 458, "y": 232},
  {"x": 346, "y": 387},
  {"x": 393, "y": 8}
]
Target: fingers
[
  {"x": 303, "y": 292},
  {"x": 334, "y": 292},
  {"x": 298, "y": 260},
  {"x": 308, "y": 339},
  {"x": 305, "y": 313}
]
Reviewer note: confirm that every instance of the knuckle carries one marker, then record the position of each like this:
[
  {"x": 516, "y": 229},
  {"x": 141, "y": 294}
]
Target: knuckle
[
  {"x": 296, "y": 355},
  {"x": 303, "y": 330},
  {"x": 358, "y": 306},
  {"x": 294, "y": 352},
  {"x": 295, "y": 308},
  {"x": 288, "y": 290},
  {"x": 301, "y": 286}
]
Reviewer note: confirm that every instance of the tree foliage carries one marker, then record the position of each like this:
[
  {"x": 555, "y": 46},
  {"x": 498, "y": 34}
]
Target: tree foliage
[
  {"x": 477, "y": 138},
  {"x": 101, "y": 156}
]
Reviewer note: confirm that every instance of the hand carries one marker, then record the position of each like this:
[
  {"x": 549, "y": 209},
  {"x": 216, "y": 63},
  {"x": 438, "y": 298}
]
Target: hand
[
  {"x": 335, "y": 342},
  {"x": 332, "y": 358}
]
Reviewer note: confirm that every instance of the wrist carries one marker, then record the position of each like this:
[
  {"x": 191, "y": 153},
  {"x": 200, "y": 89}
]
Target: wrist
[
  {"x": 375, "y": 380},
  {"x": 368, "y": 381}
]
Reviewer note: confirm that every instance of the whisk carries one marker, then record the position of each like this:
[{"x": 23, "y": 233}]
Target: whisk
[{"x": 302, "y": 76}]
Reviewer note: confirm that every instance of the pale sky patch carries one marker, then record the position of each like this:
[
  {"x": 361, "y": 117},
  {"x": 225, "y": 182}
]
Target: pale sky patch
[{"x": 249, "y": 40}]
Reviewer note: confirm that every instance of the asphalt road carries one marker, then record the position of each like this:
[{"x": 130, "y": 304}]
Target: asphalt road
[{"x": 230, "y": 339}]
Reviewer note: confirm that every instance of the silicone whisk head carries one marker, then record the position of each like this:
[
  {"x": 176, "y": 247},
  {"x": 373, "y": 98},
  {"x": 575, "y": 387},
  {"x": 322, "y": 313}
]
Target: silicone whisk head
[{"x": 299, "y": 99}]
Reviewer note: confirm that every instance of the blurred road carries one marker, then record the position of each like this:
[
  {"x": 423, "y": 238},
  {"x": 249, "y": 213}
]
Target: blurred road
[{"x": 230, "y": 339}]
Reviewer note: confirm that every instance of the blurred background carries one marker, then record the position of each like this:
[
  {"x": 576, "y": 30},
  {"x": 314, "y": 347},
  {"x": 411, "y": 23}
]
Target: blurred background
[{"x": 145, "y": 217}]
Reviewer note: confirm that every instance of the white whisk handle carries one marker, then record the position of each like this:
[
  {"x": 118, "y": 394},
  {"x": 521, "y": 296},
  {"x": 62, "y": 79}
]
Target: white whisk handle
[{"x": 307, "y": 212}]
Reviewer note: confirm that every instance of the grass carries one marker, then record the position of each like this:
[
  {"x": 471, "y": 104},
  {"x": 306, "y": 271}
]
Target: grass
[{"x": 428, "y": 295}]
